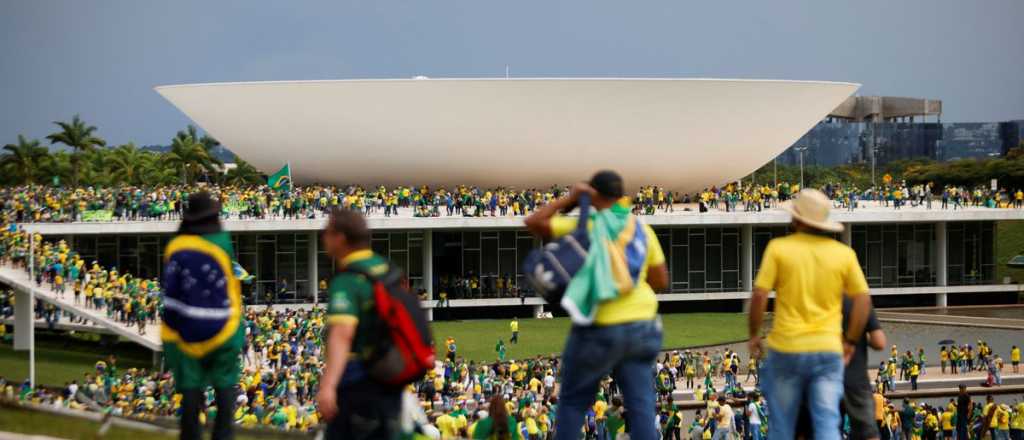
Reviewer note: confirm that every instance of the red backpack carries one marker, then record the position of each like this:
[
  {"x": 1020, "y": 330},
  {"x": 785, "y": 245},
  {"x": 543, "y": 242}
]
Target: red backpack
[{"x": 404, "y": 351}]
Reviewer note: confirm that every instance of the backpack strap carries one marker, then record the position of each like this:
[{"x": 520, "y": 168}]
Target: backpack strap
[{"x": 584, "y": 203}]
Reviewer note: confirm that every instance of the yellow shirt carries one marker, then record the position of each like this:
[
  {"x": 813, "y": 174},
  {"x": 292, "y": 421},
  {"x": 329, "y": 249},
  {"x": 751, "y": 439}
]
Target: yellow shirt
[
  {"x": 639, "y": 304},
  {"x": 947, "y": 420},
  {"x": 809, "y": 274},
  {"x": 514, "y": 325},
  {"x": 1015, "y": 355},
  {"x": 600, "y": 407},
  {"x": 446, "y": 424}
]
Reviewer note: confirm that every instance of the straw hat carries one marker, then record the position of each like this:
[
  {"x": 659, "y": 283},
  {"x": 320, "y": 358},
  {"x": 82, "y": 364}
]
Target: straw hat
[{"x": 811, "y": 207}]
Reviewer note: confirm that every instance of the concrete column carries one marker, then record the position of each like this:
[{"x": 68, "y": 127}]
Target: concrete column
[
  {"x": 313, "y": 270},
  {"x": 23, "y": 320},
  {"x": 747, "y": 257},
  {"x": 941, "y": 254},
  {"x": 847, "y": 235},
  {"x": 428, "y": 269}
]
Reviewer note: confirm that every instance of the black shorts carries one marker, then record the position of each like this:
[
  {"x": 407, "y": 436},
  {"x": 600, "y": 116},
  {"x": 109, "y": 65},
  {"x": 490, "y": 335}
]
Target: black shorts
[{"x": 860, "y": 407}]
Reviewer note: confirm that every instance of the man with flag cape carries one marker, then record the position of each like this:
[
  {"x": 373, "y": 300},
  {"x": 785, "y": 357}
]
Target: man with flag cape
[{"x": 203, "y": 330}]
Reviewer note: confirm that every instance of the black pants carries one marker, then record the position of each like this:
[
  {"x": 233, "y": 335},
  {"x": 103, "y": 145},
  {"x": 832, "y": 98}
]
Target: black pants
[
  {"x": 192, "y": 403},
  {"x": 366, "y": 411}
]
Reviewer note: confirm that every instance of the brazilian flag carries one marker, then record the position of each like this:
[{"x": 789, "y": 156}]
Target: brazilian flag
[
  {"x": 203, "y": 327},
  {"x": 282, "y": 179}
]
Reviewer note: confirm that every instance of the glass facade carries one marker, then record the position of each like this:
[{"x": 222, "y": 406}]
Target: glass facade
[
  {"x": 280, "y": 263},
  {"x": 140, "y": 255},
  {"x": 970, "y": 253},
  {"x": 762, "y": 235},
  {"x": 480, "y": 263},
  {"x": 702, "y": 259},
  {"x": 405, "y": 249},
  {"x": 896, "y": 255},
  {"x": 486, "y": 263}
]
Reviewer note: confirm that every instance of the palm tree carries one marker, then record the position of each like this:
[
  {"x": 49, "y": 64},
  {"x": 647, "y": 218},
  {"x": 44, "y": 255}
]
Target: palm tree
[
  {"x": 58, "y": 164},
  {"x": 208, "y": 143},
  {"x": 126, "y": 161},
  {"x": 97, "y": 168},
  {"x": 79, "y": 137},
  {"x": 24, "y": 160},
  {"x": 243, "y": 173},
  {"x": 189, "y": 157},
  {"x": 153, "y": 170}
]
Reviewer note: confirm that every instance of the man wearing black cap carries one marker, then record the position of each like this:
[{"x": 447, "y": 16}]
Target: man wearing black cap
[
  {"x": 203, "y": 328},
  {"x": 622, "y": 336}
]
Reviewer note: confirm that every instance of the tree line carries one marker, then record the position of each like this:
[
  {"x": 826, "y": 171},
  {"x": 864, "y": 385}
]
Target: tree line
[
  {"x": 89, "y": 160},
  {"x": 1008, "y": 170}
]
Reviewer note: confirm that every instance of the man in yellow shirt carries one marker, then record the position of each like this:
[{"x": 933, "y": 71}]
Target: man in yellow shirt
[
  {"x": 625, "y": 330},
  {"x": 1015, "y": 358},
  {"x": 810, "y": 272}
]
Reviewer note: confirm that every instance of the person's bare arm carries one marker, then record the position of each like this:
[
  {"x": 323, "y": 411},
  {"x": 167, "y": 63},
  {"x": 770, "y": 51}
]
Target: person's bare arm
[
  {"x": 877, "y": 340},
  {"x": 539, "y": 223},
  {"x": 339, "y": 343},
  {"x": 657, "y": 277},
  {"x": 755, "y": 319}
]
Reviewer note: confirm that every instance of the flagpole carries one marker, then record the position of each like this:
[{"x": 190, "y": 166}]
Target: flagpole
[{"x": 291, "y": 183}]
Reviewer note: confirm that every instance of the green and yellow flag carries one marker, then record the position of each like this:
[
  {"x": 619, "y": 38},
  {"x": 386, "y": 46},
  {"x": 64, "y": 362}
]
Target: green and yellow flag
[{"x": 282, "y": 179}]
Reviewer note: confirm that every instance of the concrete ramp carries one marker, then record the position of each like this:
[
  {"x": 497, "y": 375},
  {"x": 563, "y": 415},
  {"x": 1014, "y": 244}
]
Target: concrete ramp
[{"x": 20, "y": 282}]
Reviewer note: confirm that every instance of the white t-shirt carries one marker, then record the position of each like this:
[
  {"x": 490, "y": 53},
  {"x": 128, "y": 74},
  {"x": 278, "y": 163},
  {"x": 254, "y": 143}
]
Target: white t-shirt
[
  {"x": 754, "y": 418},
  {"x": 549, "y": 381}
]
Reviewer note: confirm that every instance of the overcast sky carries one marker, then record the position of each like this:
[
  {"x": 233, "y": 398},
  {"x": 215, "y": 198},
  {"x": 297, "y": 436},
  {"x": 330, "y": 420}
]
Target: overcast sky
[{"x": 101, "y": 59}]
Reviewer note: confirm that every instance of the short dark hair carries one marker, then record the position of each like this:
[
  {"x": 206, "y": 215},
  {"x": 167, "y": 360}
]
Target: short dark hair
[
  {"x": 351, "y": 224},
  {"x": 608, "y": 183}
]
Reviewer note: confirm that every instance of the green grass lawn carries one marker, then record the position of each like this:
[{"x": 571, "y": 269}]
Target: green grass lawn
[
  {"x": 476, "y": 339},
  {"x": 60, "y": 360},
  {"x": 1009, "y": 242},
  {"x": 24, "y": 421}
]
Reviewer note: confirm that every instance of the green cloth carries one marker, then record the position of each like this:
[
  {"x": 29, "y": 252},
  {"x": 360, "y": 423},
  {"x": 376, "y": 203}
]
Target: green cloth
[
  {"x": 485, "y": 427},
  {"x": 220, "y": 368},
  {"x": 594, "y": 282},
  {"x": 351, "y": 294}
]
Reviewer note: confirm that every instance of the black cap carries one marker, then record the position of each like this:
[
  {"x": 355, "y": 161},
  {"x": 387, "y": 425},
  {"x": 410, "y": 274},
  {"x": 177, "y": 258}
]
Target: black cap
[
  {"x": 201, "y": 216},
  {"x": 607, "y": 183}
]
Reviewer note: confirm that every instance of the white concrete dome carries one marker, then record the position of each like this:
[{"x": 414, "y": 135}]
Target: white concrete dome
[{"x": 684, "y": 134}]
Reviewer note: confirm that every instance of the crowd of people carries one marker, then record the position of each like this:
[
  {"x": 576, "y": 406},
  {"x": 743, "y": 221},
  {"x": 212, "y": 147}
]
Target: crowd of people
[
  {"x": 135, "y": 302},
  {"x": 42, "y": 203},
  {"x": 299, "y": 369}
]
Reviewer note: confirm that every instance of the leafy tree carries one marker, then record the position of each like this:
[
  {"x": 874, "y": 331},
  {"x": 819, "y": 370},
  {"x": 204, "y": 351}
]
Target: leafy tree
[
  {"x": 189, "y": 157},
  {"x": 80, "y": 137},
  {"x": 243, "y": 173},
  {"x": 24, "y": 161},
  {"x": 126, "y": 161}
]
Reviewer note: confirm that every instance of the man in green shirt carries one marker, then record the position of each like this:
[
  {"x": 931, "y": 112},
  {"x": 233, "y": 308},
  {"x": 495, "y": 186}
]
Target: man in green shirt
[{"x": 348, "y": 398}]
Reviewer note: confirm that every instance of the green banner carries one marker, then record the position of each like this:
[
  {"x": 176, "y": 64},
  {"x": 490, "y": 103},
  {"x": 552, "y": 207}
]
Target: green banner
[
  {"x": 235, "y": 207},
  {"x": 98, "y": 215}
]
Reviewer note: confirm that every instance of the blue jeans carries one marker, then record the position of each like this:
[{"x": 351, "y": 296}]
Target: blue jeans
[
  {"x": 627, "y": 352},
  {"x": 790, "y": 380}
]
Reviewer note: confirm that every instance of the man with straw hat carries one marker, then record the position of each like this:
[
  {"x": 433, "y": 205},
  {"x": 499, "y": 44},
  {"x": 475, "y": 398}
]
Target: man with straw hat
[{"x": 809, "y": 271}]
